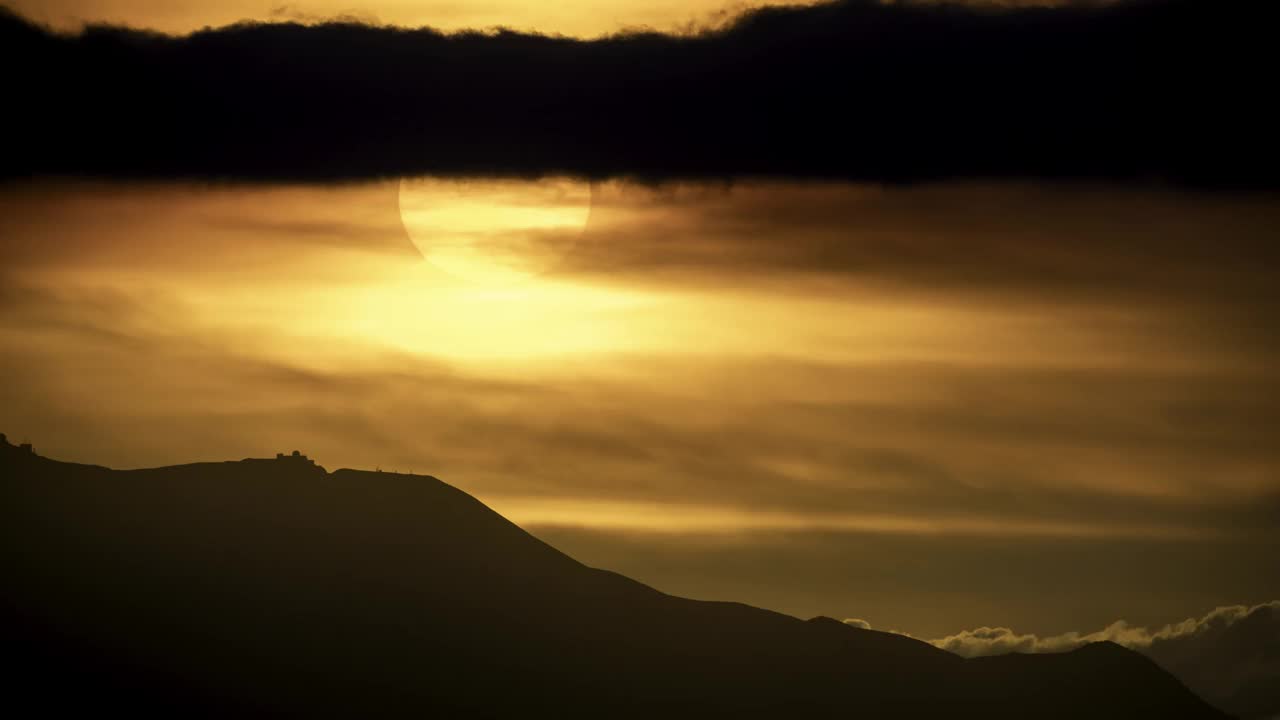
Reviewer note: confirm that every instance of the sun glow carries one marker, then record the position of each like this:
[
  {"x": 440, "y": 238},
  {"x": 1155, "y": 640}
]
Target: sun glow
[
  {"x": 527, "y": 320},
  {"x": 494, "y": 232}
]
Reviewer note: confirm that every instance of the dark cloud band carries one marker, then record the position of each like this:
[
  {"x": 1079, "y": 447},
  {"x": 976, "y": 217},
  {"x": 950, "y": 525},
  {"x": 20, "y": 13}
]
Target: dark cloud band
[{"x": 1169, "y": 89}]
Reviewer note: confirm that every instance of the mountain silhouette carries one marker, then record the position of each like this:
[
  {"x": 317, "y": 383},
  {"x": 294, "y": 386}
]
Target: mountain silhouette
[{"x": 274, "y": 587}]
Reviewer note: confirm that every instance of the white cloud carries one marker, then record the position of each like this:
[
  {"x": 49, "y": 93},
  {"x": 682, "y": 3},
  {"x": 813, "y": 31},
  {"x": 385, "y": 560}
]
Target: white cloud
[
  {"x": 1230, "y": 656},
  {"x": 999, "y": 640}
]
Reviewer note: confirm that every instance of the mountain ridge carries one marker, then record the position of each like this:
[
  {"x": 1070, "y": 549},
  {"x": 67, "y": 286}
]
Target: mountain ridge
[{"x": 275, "y": 586}]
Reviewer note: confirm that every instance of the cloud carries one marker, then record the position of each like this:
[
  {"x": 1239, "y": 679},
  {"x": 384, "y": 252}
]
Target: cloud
[
  {"x": 853, "y": 89},
  {"x": 112, "y": 306},
  {"x": 858, "y": 623},
  {"x": 852, "y": 407},
  {"x": 999, "y": 640},
  {"x": 1230, "y": 656},
  {"x": 291, "y": 12},
  {"x": 1093, "y": 244}
]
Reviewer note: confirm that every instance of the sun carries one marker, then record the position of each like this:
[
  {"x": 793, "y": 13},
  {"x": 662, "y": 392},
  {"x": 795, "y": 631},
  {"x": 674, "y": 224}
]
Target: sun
[{"x": 494, "y": 232}]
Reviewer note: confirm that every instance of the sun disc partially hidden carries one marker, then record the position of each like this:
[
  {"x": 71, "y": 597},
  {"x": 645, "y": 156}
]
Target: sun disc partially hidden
[{"x": 494, "y": 232}]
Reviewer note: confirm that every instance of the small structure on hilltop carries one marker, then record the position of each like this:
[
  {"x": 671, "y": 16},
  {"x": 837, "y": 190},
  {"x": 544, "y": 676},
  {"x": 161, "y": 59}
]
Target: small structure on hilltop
[
  {"x": 24, "y": 448},
  {"x": 293, "y": 464},
  {"x": 295, "y": 457}
]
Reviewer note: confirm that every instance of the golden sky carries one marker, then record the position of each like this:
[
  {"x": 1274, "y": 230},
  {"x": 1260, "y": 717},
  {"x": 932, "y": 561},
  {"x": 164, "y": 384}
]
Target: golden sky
[
  {"x": 569, "y": 17},
  {"x": 820, "y": 398}
]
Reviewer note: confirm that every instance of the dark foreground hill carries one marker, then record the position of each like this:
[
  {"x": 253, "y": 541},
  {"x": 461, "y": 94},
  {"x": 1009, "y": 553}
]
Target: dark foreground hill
[{"x": 272, "y": 587}]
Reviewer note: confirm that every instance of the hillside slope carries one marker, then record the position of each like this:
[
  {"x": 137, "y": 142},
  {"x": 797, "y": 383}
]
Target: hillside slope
[{"x": 273, "y": 586}]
